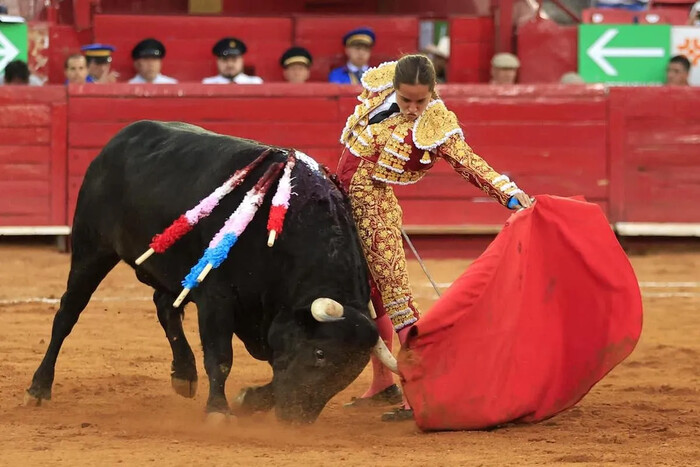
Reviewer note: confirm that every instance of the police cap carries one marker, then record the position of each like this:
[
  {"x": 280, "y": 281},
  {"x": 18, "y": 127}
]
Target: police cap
[
  {"x": 229, "y": 47},
  {"x": 148, "y": 48},
  {"x": 100, "y": 53},
  {"x": 296, "y": 55},
  {"x": 359, "y": 36}
]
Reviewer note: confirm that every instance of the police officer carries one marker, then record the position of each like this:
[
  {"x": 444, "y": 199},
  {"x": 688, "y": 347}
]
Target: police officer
[
  {"x": 99, "y": 62},
  {"x": 229, "y": 53},
  {"x": 148, "y": 59},
  {"x": 296, "y": 62},
  {"x": 358, "y": 49}
]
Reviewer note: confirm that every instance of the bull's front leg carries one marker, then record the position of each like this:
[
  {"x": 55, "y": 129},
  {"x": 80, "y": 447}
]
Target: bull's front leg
[
  {"x": 216, "y": 332},
  {"x": 183, "y": 375}
]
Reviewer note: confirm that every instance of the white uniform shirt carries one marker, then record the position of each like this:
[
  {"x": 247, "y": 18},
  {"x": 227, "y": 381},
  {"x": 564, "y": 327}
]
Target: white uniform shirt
[
  {"x": 160, "y": 79},
  {"x": 694, "y": 19},
  {"x": 240, "y": 78},
  {"x": 391, "y": 99}
]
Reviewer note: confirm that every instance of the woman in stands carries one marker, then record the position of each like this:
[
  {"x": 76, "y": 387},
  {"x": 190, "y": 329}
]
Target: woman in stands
[{"x": 395, "y": 135}]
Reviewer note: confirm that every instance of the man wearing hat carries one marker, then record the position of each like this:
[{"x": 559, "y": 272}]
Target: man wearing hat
[
  {"x": 504, "y": 68},
  {"x": 439, "y": 54},
  {"x": 148, "y": 59},
  {"x": 358, "y": 47},
  {"x": 229, "y": 53},
  {"x": 99, "y": 62},
  {"x": 296, "y": 62}
]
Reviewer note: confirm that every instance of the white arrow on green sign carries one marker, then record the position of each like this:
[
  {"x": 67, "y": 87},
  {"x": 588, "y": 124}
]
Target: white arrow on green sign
[
  {"x": 13, "y": 43},
  {"x": 635, "y": 54}
]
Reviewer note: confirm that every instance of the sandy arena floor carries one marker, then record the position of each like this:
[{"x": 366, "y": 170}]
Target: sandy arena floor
[{"x": 112, "y": 401}]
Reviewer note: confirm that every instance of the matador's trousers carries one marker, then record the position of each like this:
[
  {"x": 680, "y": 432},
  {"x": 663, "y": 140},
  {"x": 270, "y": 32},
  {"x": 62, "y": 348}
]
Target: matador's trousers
[{"x": 378, "y": 217}]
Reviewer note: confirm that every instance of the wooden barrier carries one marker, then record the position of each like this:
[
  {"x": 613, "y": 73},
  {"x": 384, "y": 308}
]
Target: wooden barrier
[
  {"x": 32, "y": 159},
  {"x": 655, "y": 156},
  {"x": 634, "y": 151},
  {"x": 550, "y": 139}
]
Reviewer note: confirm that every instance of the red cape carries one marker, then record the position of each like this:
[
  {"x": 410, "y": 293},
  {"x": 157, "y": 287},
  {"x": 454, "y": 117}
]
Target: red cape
[{"x": 540, "y": 317}]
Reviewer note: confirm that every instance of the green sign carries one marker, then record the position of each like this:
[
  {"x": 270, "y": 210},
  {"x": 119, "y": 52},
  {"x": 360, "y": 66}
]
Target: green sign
[
  {"x": 632, "y": 54},
  {"x": 13, "y": 43}
]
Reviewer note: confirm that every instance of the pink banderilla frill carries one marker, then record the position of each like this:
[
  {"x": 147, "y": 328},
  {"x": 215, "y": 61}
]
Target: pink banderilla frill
[
  {"x": 228, "y": 235},
  {"x": 183, "y": 224}
]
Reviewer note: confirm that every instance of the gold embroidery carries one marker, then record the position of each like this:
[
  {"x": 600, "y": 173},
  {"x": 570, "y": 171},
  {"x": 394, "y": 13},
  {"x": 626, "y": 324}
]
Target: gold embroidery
[
  {"x": 473, "y": 168},
  {"x": 379, "y": 78},
  {"x": 434, "y": 126},
  {"x": 382, "y": 244}
]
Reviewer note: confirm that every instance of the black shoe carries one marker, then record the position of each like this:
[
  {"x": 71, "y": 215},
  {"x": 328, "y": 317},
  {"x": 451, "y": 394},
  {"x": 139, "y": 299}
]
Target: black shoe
[
  {"x": 389, "y": 396},
  {"x": 398, "y": 415}
]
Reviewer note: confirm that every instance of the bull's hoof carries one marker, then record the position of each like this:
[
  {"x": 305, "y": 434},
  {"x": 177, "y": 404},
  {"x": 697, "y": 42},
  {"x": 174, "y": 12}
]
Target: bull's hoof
[
  {"x": 34, "y": 401},
  {"x": 217, "y": 418},
  {"x": 183, "y": 387}
]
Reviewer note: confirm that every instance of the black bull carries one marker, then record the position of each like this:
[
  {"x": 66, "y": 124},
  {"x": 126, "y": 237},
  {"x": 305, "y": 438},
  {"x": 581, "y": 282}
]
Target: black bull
[{"x": 152, "y": 172}]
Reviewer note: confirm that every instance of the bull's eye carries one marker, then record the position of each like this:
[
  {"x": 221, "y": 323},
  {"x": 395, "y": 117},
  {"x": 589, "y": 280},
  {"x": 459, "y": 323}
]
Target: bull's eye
[{"x": 320, "y": 355}]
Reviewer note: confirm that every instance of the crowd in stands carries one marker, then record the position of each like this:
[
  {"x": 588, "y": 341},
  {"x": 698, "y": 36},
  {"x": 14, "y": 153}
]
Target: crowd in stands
[{"x": 93, "y": 64}]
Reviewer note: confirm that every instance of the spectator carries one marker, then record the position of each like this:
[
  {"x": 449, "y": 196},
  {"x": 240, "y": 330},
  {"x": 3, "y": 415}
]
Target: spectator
[
  {"x": 148, "y": 58},
  {"x": 571, "y": 78},
  {"x": 296, "y": 62},
  {"x": 75, "y": 69},
  {"x": 677, "y": 71},
  {"x": 632, "y": 5},
  {"x": 229, "y": 53},
  {"x": 99, "y": 62},
  {"x": 17, "y": 72},
  {"x": 504, "y": 68},
  {"x": 694, "y": 16},
  {"x": 358, "y": 49},
  {"x": 439, "y": 54}
]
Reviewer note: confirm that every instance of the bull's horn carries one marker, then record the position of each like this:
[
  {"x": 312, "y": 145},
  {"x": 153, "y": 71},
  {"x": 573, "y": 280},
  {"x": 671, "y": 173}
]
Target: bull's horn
[
  {"x": 385, "y": 356},
  {"x": 326, "y": 310}
]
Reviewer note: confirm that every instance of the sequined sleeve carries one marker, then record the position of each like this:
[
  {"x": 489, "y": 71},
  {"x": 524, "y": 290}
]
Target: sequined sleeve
[{"x": 473, "y": 168}]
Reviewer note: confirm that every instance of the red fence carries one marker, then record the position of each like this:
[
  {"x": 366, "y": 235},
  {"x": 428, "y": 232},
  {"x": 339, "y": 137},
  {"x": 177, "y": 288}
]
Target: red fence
[
  {"x": 635, "y": 151},
  {"x": 32, "y": 156}
]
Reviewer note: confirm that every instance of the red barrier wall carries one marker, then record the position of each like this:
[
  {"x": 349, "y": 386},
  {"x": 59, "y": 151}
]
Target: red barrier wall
[
  {"x": 549, "y": 139},
  {"x": 655, "y": 154},
  {"x": 32, "y": 156},
  {"x": 635, "y": 151},
  {"x": 535, "y": 135}
]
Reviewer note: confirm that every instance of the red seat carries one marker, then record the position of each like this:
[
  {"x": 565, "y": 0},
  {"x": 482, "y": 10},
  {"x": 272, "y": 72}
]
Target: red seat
[
  {"x": 189, "y": 39},
  {"x": 665, "y": 15},
  {"x": 609, "y": 16}
]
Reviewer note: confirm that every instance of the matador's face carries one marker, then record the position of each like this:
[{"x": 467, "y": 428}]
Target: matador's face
[{"x": 413, "y": 99}]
